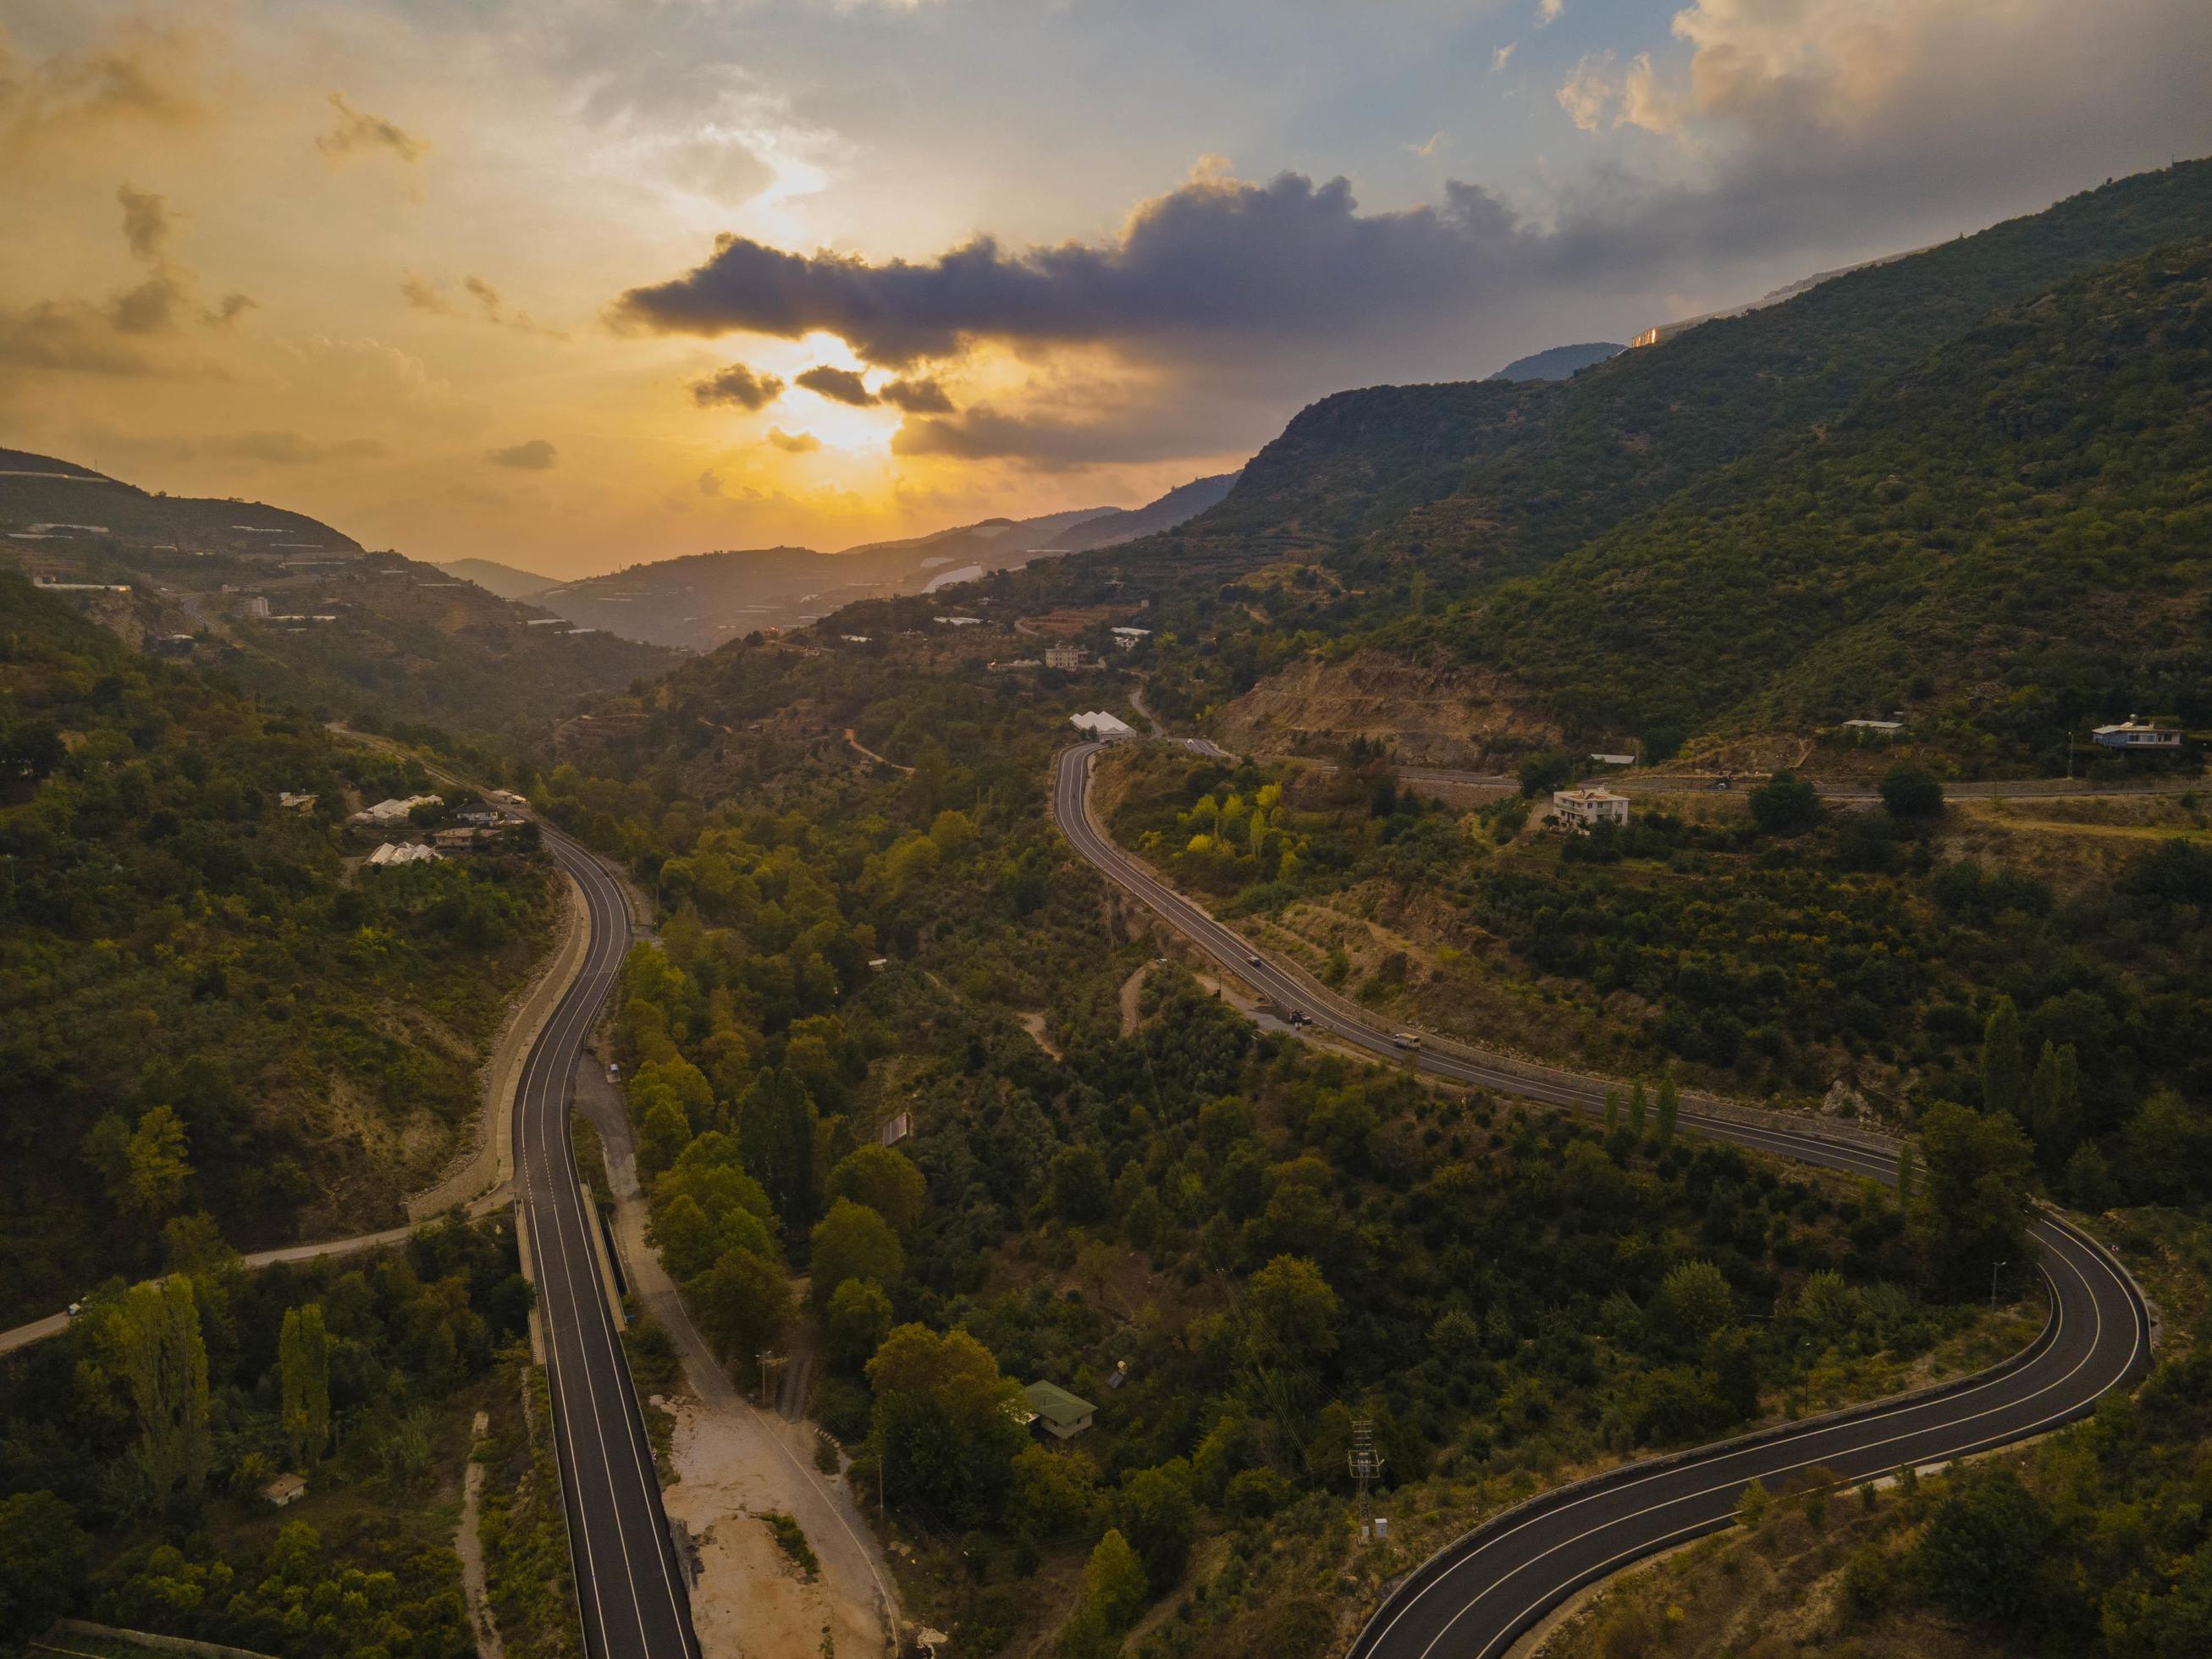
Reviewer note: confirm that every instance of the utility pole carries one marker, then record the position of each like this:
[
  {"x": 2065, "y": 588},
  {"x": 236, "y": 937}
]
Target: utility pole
[
  {"x": 1994, "y": 1269},
  {"x": 1366, "y": 1466}
]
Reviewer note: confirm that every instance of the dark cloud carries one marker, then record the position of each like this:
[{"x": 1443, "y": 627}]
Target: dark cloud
[
  {"x": 915, "y": 397},
  {"x": 736, "y": 384},
  {"x": 149, "y": 308},
  {"x": 229, "y": 309},
  {"x": 358, "y": 130},
  {"x": 710, "y": 483},
  {"x": 423, "y": 295},
  {"x": 146, "y": 222},
  {"x": 839, "y": 384},
  {"x": 1216, "y": 257},
  {"x": 137, "y": 74},
  {"x": 69, "y": 335},
  {"x": 1133, "y": 432},
  {"x": 537, "y": 455},
  {"x": 794, "y": 443}
]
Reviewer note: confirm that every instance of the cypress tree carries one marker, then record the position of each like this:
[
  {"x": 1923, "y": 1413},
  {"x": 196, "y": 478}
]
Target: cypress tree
[
  {"x": 2004, "y": 1065},
  {"x": 1637, "y": 1107},
  {"x": 1670, "y": 1104},
  {"x": 2055, "y": 1104}
]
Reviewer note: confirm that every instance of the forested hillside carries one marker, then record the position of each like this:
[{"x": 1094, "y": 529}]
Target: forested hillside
[
  {"x": 1721, "y": 533},
  {"x": 211, "y": 1021},
  {"x": 2009, "y": 539},
  {"x": 288, "y": 606}
]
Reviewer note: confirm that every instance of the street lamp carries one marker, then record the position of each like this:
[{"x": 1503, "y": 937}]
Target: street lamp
[{"x": 1996, "y": 1267}]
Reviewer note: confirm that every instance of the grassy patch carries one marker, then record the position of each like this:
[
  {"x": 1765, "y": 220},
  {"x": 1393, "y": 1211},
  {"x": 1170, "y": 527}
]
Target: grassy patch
[{"x": 791, "y": 1540}]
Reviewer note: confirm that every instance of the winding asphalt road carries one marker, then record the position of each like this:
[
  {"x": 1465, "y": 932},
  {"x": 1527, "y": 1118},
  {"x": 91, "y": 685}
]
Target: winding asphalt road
[
  {"x": 1473, "y": 1598},
  {"x": 630, "y": 1588}
]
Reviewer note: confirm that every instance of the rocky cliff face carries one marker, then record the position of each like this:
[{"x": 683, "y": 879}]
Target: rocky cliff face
[{"x": 1430, "y": 715}]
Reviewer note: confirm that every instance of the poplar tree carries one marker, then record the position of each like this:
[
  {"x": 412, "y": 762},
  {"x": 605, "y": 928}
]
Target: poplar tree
[
  {"x": 1670, "y": 1105},
  {"x": 1611, "y": 1111},
  {"x": 159, "y": 1352},
  {"x": 1637, "y": 1107},
  {"x": 2054, "y": 1095},
  {"x": 303, "y": 1366},
  {"x": 2004, "y": 1065}
]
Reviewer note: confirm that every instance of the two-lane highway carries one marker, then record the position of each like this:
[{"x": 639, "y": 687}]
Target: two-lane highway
[
  {"x": 1471, "y": 1599},
  {"x": 630, "y": 1588}
]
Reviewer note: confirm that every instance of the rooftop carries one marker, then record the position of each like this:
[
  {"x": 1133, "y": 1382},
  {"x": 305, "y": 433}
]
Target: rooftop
[{"x": 1056, "y": 1405}]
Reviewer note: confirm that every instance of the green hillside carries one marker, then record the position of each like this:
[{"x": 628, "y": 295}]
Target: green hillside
[
  {"x": 2007, "y": 539},
  {"x": 206, "y": 1013}
]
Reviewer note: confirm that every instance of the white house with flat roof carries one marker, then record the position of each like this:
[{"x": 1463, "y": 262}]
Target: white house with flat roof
[
  {"x": 2133, "y": 733},
  {"x": 1588, "y": 808}
]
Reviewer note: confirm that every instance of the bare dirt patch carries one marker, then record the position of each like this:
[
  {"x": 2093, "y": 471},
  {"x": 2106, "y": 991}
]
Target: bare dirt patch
[{"x": 1430, "y": 714}]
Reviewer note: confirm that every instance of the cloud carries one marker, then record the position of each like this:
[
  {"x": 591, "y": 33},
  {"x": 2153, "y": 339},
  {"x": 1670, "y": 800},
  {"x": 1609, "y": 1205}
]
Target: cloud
[
  {"x": 915, "y": 396},
  {"x": 146, "y": 222},
  {"x": 1428, "y": 146},
  {"x": 794, "y": 443},
  {"x": 423, "y": 294},
  {"x": 734, "y": 383},
  {"x": 1590, "y": 89},
  {"x": 709, "y": 483},
  {"x": 68, "y": 335},
  {"x": 1111, "y": 431},
  {"x": 1216, "y": 259},
  {"x": 534, "y": 456},
  {"x": 138, "y": 75},
  {"x": 1502, "y": 56},
  {"x": 841, "y": 385},
  {"x": 1548, "y": 11},
  {"x": 357, "y": 130}
]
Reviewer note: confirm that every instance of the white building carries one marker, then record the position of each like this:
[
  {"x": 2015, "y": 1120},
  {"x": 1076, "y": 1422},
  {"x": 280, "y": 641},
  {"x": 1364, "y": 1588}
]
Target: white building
[
  {"x": 395, "y": 809},
  {"x": 2132, "y": 733},
  {"x": 1064, "y": 656},
  {"x": 1588, "y": 808},
  {"x": 1100, "y": 724},
  {"x": 1614, "y": 760},
  {"x": 962, "y": 621},
  {"x": 1126, "y": 638},
  {"x": 1874, "y": 726}
]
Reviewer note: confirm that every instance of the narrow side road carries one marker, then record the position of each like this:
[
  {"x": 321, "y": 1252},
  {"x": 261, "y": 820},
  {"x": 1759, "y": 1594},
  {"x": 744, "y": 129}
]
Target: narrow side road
[{"x": 1473, "y": 1598}]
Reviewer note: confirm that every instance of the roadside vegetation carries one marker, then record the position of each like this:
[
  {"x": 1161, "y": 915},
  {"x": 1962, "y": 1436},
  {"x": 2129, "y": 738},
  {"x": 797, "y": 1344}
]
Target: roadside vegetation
[{"x": 139, "y": 1447}]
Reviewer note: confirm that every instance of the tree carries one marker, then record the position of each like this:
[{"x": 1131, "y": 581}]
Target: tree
[
  {"x": 43, "y": 1555},
  {"x": 1670, "y": 1107},
  {"x": 1638, "y": 1108},
  {"x": 1979, "y": 1557},
  {"x": 860, "y": 1319},
  {"x": 303, "y": 1369},
  {"x": 744, "y": 1302},
  {"x": 1612, "y": 1112},
  {"x": 1785, "y": 804},
  {"x": 886, "y": 1180},
  {"x": 1055, "y": 1493},
  {"x": 1115, "y": 1585},
  {"x": 942, "y": 1428},
  {"x": 1293, "y": 1312},
  {"x": 153, "y": 1337},
  {"x": 853, "y": 1242},
  {"x": 2004, "y": 1065},
  {"x": 1695, "y": 1300},
  {"x": 154, "y": 1167},
  {"x": 1910, "y": 793},
  {"x": 1077, "y": 1186},
  {"x": 2054, "y": 1110},
  {"x": 1156, "y": 1511},
  {"x": 775, "y": 1132},
  {"x": 2167, "y": 1151},
  {"x": 1971, "y": 1212}
]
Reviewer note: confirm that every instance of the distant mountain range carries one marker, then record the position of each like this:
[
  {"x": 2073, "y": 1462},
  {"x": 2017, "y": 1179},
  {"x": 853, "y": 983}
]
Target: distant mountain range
[
  {"x": 504, "y": 579},
  {"x": 293, "y": 608},
  {"x": 1559, "y": 363},
  {"x": 702, "y": 599}
]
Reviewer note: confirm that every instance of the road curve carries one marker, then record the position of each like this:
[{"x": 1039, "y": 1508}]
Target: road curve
[
  {"x": 1473, "y": 1598},
  {"x": 630, "y": 1589}
]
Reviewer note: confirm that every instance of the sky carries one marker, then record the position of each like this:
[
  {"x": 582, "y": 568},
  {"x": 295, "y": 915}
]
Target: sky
[{"x": 577, "y": 283}]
